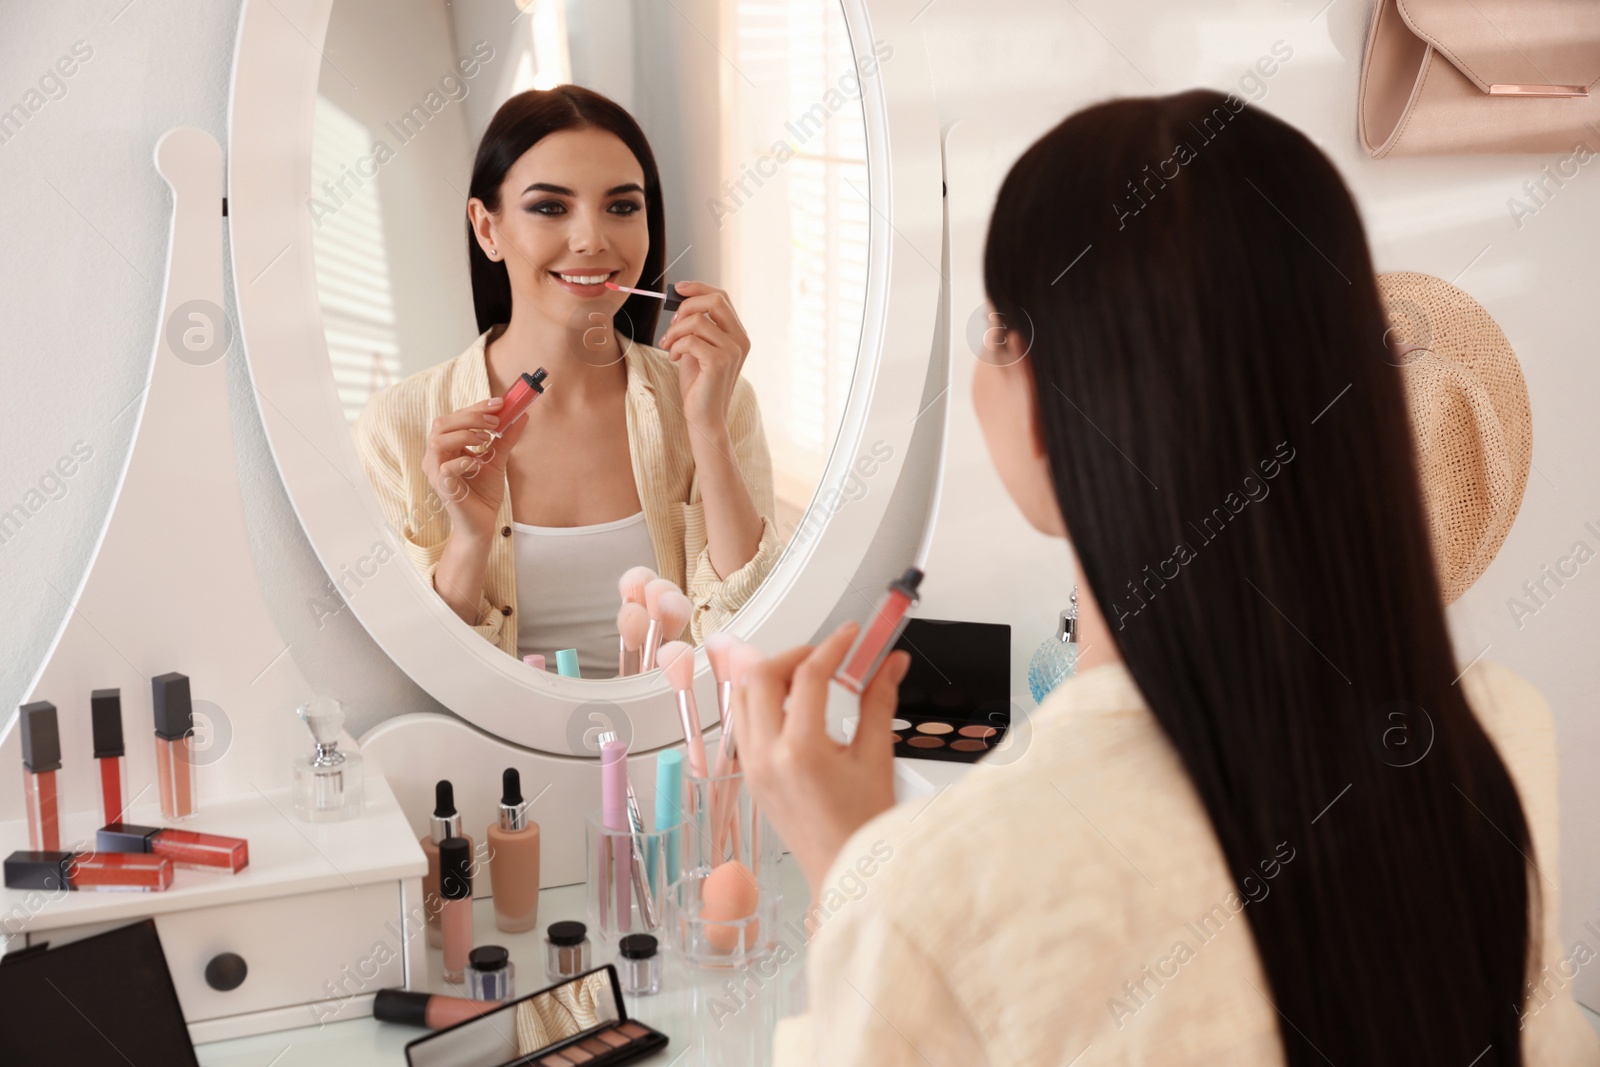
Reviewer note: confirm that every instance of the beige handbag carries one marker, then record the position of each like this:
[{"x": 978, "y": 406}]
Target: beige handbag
[{"x": 1474, "y": 76}]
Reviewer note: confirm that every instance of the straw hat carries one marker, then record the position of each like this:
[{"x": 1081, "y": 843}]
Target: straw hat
[{"x": 1470, "y": 418}]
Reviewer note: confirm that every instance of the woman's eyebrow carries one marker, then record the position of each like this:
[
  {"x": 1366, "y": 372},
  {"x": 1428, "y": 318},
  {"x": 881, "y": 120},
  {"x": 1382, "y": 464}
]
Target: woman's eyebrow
[{"x": 547, "y": 187}]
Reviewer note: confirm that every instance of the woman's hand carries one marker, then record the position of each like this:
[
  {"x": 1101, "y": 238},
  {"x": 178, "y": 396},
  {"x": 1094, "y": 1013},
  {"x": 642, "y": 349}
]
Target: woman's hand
[
  {"x": 472, "y": 485},
  {"x": 816, "y": 791},
  {"x": 708, "y": 343}
]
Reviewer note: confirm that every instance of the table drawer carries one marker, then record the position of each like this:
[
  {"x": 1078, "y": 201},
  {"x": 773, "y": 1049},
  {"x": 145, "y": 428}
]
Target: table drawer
[{"x": 307, "y": 947}]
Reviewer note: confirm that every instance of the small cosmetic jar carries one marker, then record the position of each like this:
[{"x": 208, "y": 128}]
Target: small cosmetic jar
[
  {"x": 566, "y": 950},
  {"x": 490, "y": 973},
  {"x": 639, "y": 965}
]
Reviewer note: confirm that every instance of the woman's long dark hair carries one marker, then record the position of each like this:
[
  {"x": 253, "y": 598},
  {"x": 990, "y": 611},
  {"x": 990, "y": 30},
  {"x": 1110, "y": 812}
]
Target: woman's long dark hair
[
  {"x": 1228, "y": 443},
  {"x": 520, "y": 123}
]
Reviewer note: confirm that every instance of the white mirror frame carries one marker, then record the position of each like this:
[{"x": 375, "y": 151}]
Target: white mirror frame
[{"x": 277, "y": 62}]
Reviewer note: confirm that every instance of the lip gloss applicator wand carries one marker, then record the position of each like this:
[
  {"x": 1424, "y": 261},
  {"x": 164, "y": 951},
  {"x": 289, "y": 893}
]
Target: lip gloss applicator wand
[{"x": 670, "y": 299}]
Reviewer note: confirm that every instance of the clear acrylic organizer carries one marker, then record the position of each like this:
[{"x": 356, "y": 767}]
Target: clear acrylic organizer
[
  {"x": 723, "y": 912},
  {"x": 618, "y": 902}
]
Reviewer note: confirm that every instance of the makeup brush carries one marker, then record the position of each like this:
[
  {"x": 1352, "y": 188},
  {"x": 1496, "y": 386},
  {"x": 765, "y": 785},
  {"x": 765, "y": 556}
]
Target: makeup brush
[
  {"x": 631, "y": 584},
  {"x": 719, "y": 650},
  {"x": 675, "y": 610},
  {"x": 676, "y": 658},
  {"x": 632, "y": 623},
  {"x": 654, "y": 590},
  {"x": 741, "y": 657}
]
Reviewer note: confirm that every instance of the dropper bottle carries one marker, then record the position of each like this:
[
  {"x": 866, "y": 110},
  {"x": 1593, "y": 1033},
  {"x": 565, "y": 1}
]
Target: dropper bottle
[{"x": 514, "y": 860}]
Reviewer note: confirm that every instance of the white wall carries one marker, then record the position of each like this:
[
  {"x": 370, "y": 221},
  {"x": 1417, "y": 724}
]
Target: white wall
[{"x": 85, "y": 216}]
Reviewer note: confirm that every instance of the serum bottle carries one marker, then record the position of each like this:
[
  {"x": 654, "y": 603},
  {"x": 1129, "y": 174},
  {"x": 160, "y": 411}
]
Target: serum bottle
[{"x": 514, "y": 860}]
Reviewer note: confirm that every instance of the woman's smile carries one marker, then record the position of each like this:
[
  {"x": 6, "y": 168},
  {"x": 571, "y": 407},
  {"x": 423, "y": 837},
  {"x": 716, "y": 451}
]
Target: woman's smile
[{"x": 584, "y": 283}]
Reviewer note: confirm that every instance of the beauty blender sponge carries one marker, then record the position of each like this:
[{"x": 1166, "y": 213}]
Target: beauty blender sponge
[{"x": 729, "y": 896}]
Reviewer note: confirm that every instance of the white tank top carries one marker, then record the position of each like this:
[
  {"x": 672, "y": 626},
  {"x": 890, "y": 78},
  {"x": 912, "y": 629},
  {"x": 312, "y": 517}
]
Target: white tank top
[{"x": 567, "y": 588}]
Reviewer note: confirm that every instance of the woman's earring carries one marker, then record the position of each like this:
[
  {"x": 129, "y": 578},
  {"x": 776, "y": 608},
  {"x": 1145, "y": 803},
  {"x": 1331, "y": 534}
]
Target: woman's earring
[{"x": 494, "y": 254}]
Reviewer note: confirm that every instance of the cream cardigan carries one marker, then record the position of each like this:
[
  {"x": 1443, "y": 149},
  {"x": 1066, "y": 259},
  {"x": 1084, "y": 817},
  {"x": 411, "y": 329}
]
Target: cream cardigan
[
  {"x": 392, "y": 436},
  {"x": 1032, "y": 913}
]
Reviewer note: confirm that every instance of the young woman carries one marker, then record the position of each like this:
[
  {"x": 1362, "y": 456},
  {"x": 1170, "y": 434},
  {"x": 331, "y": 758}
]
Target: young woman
[
  {"x": 635, "y": 454},
  {"x": 1222, "y": 748}
]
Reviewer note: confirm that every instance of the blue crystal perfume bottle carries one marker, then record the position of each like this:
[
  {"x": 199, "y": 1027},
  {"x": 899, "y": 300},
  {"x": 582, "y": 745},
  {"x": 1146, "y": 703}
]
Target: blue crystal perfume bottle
[{"x": 1057, "y": 657}]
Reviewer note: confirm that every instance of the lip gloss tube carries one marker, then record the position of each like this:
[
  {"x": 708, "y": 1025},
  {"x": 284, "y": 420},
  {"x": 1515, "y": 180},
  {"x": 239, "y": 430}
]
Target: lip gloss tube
[
  {"x": 427, "y": 1009},
  {"x": 174, "y": 728},
  {"x": 97, "y": 872},
  {"x": 185, "y": 848},
  {"x": 41, "y": 758},
  {"x": 523, "y": 392},
  {"x": 105, "y": 708},
  {"x": 455, "y": 915},
  {"x": 614, "y": 811},
  {"x": 879, "y": 635}
]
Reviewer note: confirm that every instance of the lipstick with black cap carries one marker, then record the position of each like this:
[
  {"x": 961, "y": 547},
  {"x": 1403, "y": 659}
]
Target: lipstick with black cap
[
  {"x": 41, "y": 758},
  {"x": 105, "y": 709},
  {"x": 174, "y": 716}
]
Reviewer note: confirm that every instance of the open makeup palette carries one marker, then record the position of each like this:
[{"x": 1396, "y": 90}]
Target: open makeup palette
[
  {"x": 955, "y": 701},
  {"x": 580, "y": 1022}
]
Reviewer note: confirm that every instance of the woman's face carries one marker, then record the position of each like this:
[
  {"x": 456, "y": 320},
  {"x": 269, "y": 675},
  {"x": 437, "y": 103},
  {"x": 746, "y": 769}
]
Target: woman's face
[
  {"x": 1003, "y": 394},
  {"x": 572, "y": 204}
]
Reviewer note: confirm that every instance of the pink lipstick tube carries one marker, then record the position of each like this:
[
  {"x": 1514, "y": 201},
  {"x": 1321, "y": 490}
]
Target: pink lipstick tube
[
  {"x": 523, "y": 392},
  {"x": 185, "y": 848},
  {"x": 41, "y": 758},
  {"x": 614, "y": 811},
  {"x": 174, "y": 727},
  {"x": 880, "y": 633},
  {"x": 455, "y": 915},
  {"x": 105, "y": 707}
]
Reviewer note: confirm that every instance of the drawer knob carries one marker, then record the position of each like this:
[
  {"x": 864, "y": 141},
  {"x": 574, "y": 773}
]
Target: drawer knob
[{"x": 226, "y": 972}]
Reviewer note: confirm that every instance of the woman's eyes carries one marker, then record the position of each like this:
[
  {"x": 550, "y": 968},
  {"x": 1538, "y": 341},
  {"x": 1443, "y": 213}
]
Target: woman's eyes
[{"x": 629, "y": 208}]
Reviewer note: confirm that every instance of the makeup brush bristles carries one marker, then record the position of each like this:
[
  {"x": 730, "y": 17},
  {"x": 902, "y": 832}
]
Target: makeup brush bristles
[
  {"x": 676, "y": 659},
  {"x": 675, "y": 610},
  {"x": 632, "y": 583},
  {"x": 632, "y": 623}
]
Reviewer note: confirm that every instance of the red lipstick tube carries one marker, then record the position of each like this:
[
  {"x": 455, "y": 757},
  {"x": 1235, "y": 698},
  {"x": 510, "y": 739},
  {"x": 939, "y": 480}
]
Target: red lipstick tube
[
  {"x": 523, "y": 392},
  {"x": 185, "y": 848},
  {"x": 105, "y": 706},
  {"x": 880, "y": 633},
  {"x": 174, "y": 728},
  {"x": 41, "y": 758},
  {"x": 96, "y": 872}
]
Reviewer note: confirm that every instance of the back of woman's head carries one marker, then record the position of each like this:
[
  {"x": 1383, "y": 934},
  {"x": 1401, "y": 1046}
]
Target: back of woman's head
[
  {"x": 1228, "y": 444},
  {"x": 522, "y": 122}
]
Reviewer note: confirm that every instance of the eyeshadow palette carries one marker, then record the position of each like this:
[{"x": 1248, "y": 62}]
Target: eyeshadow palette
[
  {"x": 580, "y": 1022},
  {"x": 955, "y": 701}
]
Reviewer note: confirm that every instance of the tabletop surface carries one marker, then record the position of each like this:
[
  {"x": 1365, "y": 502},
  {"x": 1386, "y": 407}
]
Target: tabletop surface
[{"x": 713, "y": 1018}]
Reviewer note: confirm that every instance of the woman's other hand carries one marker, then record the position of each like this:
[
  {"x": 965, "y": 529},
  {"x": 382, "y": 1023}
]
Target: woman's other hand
[
  {"x": 815, "y": 791},
  {"x": 471, "y": 483},
  {"x": 708, "y": 343}
]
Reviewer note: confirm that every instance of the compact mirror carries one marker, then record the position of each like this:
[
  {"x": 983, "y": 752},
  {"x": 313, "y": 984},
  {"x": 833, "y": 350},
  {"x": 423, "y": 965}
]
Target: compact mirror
[{"x": 717, "y": 142}]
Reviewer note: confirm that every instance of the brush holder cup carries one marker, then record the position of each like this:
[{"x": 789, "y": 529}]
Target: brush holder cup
[
  {"x": 623, "y": 902},
  {"x": 723, "y": 912}
]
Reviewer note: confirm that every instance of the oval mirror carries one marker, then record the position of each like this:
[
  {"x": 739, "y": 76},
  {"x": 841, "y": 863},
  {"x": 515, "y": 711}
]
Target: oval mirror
[{"x": 493, "y": 188}]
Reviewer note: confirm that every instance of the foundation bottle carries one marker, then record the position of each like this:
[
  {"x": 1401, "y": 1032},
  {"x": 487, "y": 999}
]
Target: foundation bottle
[
  {"x": 445, "y": 822},
  {"x": 514, "y": 860}
]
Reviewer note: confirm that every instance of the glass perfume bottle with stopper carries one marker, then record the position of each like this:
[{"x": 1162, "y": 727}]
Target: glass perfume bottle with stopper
[
  {"x": 1057, "y": 657},
  {"x": 328, "y": 783}
]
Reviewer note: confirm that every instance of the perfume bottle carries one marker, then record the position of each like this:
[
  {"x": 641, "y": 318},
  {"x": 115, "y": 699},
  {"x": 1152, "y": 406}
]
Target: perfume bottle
[
  {"x": 327, "y": 783},
  {"x": 1057, "y": 657}
]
